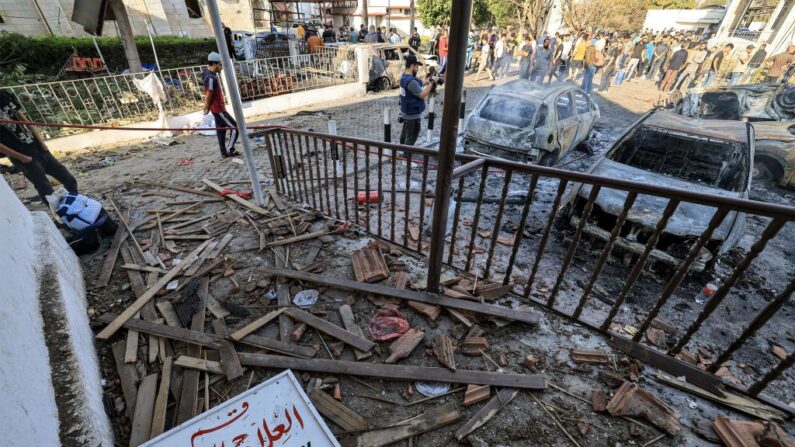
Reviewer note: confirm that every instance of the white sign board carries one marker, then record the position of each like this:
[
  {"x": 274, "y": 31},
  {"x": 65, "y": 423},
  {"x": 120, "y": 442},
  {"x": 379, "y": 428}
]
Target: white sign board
[{"x": 275, "y": 413}]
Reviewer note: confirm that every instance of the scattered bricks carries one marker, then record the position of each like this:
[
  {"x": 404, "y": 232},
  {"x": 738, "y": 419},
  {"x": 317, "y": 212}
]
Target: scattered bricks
[
  {"x": 475, "y": 346},
  {"x": 444, "y": 350},
  {"x": 687, "y": 357},
  {"x": 634, "y": 370},
  {"x": 631, "y": 400},
  {"x": 530, "y": 362},
  {"x": 506, "y": 240},
  {"x": 336, "y": 348},
  {"x": 458, "y": 294},
  {"x": 404, "y": 345},
  {"x": 369, "y": 264},
  {"x": 779, "y": 352},
  {"x": 751, "y": 433},
  {"x": 598, "y": 401},
  {"x": 337, "y": 393},
  {"x": 401, "y": 279},
  {"x": 583, "y": 427},
  {"x": 611, "y": 378},
  {"x": 589, "y": 356},
  {"x": 476, "y": 393},
  {"x": 722, "y": 371},
  {"x": 663, "y": 326},
  {"x": 656, "y": 337},
  {"x": 429, "y": 310},
  {"x": 494, "y": 290},
  {"x": 298, "y": 332}
]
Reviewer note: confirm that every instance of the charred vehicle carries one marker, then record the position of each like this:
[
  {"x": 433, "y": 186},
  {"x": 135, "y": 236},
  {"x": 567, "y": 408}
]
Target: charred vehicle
[
  {"x": 522, "y": 121},
  {"x": 707, "y": 156},
  {"x": 387, "y": 64},
  {"x": 770, "y": 107}
]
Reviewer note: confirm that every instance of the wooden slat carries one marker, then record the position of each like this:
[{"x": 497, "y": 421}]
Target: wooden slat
[
  {"x": 254, "y": 325},
  {"x": 178, "y": 188},
  {"x": 336, "y": 412},
  {"x": 161, "y": 402},
  {"x": 144, "y": 268},
  {"x": 187, "y": 407},
  {"x": 230, "y": 363},
  {"x": 199, "y": 364},
  {"x": 423, "y": 297},
  {"x": 396, "y": 372},
  {"x": 299, "y": 238},
  {"x": 128, "y": 377},
  {"x": 486, "y": 412},
  {"x": 220, "y": 247},
  {"x": 331, "y": 329},
  {"x": 144, "y": 408},
  {"x": 430, "y": 420},
  {"x": 169, "y": 314},
  {"x": 281, "y": 347},
  {"x": 285, "y": 322},
  {"x": 136, "y": 280},
  {"x": 350, "y": 324},
  {"x": 136, "y": 306},
  {"x": 113, "y": 253},
  {"x": 237, "y": 199},
  {"x": 215, "y": 308},
  {"x": 170, "y": 332},
  {"x": 194, "y": 267}
]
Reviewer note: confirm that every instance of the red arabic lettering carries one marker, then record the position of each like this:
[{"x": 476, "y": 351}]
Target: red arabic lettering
[
  {"x": 280, "y": 430},
  {"x": 226, "y": 424}
]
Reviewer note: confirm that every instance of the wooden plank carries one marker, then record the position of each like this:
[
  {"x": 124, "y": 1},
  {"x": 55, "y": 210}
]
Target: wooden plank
[
  {"x": 194, "y": 267},
  {"x": 173, "y": 215},
  {"x": 169, "y": 314},
  {"x": 254, "y": 325},
  {"x": 161, "y": 402},
  {"x": 187, "y": 407},
  {"x": 486, "y": 412},
  {"x": 136, "y": 280},
  {"x": 199, "y": 364},
  {"x": 369, "y": 264},
  {"x": 281, "y": 347},
  {"x": 178, "y": 188},
  {"x": 237, "y": 199},
  {"x": 131, "y": 347},
  {"x": 336, "y": 412},
  {"x": 285, "y": 322},
  {"x": 215, "y": 308},
  {"x": 188, "y": 223},
  {"x": 136, "y": 306},
  {"x": 276, "y": 199},
  {"x": 113, "y": 253},
  {"x": 128, "y": 376},
  {"x": 188, "y": 237},
  {"x": 144, "y": 409},
  {"x": 395, "y": 372},
  {"x": 144, "y": 268},
  {"x": 404, "y": 346},
  {"x": 293, "y": 239},
  {"x": 423, "y": 297},
  {"x": 170, "y": 332},
  {"x": 349, "y": 322},
  {"x": 220, "y": 247},
  {"x": 333, "y": 330},
  {"x": 430, "y": 420},
  {"x": 230, "y": 363}
]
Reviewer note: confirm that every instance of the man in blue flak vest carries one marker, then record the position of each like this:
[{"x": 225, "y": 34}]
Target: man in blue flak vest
[{"x": 413, "y": 92}]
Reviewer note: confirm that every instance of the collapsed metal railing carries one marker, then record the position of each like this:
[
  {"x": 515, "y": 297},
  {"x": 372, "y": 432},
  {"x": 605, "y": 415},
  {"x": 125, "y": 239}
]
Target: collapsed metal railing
[
  {"x": 382, "y": 188},
  {"x": 116, "y": 100}
]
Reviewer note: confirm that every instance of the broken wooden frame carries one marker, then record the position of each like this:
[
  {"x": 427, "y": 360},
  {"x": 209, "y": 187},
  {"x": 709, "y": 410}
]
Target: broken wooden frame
[{"x": 328, "y": 172}]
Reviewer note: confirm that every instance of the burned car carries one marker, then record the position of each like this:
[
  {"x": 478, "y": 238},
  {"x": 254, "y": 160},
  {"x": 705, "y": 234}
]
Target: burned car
[
  {"x": 770, "y": 107},
  {"x": 522, "y": 121},
  {"x": 387, "y": 64},
  {"x": 706, "y": 156}
]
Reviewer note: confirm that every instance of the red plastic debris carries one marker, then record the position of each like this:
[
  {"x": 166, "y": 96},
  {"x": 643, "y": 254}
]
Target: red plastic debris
[
  {"x": 363, "y": 197},
  {"x": 387, "y": 324},
  {"x": 343, "y": 228},
  {"x": 185, "y": 161},
  {"x": 232, "y": 192}
]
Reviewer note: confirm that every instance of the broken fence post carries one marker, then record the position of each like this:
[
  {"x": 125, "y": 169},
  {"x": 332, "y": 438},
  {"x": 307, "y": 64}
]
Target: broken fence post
[
  {"x": 335, "y": 154},
  {"x": 431, "y": 116}
]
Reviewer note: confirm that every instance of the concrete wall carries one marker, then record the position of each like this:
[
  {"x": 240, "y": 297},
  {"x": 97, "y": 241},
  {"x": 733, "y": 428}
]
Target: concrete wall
[
  {"x": 274, "y": 104},
  {"x": 777, "y": 39},
  {"x": 49, "y": 373},
  {"x": 168, "y": 17},
  {"x": 682, "y": 19}
]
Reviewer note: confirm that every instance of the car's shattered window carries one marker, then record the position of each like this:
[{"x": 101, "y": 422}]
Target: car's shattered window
[
  {"x": 697, "y": 160},
  {"x": 508, "y": 111}
]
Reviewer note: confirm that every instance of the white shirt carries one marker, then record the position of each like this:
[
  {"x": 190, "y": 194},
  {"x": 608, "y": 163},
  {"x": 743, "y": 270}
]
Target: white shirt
[
  {"x": 566, "y": 50},
  {"x": 499, "y": 48}
]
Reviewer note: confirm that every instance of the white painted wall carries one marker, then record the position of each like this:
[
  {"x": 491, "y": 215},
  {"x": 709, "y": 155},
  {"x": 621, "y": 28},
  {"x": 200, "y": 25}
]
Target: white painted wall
[
  {"x": 30, "y": 243},
  {"x": 682, "y": 19}
]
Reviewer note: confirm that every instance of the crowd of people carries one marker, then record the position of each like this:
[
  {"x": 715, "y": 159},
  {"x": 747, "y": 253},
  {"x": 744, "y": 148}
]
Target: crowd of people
[{"x": 674, "y": 60}]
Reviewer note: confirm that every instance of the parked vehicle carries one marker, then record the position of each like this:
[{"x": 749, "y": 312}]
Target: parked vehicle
[
  {"x": 665, "y": 149},
  {"x": 522, "y": 121},
  {"x": 387, "y": 64}
]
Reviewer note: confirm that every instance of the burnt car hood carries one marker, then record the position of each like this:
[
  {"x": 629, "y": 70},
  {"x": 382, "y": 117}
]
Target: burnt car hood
[
  {"x": 492, "y": 133},
  {"x": 755, "y": 101},
  {"x": 689, "y": 219}
]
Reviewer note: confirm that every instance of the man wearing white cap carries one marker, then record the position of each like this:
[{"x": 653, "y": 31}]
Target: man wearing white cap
[{"x": 214, "y": 103}]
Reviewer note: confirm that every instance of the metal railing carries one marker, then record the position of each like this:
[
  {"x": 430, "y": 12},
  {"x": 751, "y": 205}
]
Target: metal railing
[
  {"x": 507, "y": 217},
  {"x": 109, "y": 100}
]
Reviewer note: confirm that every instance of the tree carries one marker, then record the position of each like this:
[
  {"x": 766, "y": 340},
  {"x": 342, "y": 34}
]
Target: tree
[
  {"x": 529, "y": 14},
  {"x": 127, "y": 35},
  {"x": 672, "y": 4},
  {"x": 437, "y": 12}
]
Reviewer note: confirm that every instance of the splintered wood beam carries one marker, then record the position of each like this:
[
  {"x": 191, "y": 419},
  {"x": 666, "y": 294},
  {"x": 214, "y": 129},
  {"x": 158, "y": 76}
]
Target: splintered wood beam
[
  {"x": 331, "y": 329},
  {"x": 395, "y": 372},
  {"x": 423, "y": 297}
]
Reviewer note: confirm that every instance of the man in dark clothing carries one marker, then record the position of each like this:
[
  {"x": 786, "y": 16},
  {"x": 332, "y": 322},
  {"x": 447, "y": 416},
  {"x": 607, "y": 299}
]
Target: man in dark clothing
[
  {"x": 329, "y": 35},
  {"x": 676, "y": 62},
  {"x": 634, "y": 60},
  {"x": 362, "y": 32},
  {"x": 228, "y": 38},
  {"x": 541, "y": 62},
  {"x": 214, "y": 102},
  {"x": 414, "y": 40},
  {"x": 717, "y": 61},
  {"x": 413, "y": 92},
  {"x": 23, "y": 145}
]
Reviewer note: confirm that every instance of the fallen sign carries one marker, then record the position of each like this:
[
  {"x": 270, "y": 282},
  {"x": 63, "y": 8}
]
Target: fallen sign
[
  {"x": 275, "y": 410},
  {"x": 423, "y": 297}
]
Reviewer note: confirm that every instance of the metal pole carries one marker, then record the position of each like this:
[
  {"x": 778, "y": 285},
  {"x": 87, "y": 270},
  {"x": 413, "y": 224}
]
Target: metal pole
[
  {"x": 234, "y": 99},
  {"x": 387, "y": 125},
  {"x": 96, "y": 45},
  {"x": 152, "y": 41},
  {"x": 431, "y": 116},
  {"x": 459, "y": 30}
]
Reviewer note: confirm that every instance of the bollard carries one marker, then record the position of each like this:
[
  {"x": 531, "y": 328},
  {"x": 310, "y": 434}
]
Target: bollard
[
  {"x": 431, "y": 116},
  {"x": 461, "y": 113},
  {"x": 335, "y": 155},
  {"x": 387, "y": 125}
]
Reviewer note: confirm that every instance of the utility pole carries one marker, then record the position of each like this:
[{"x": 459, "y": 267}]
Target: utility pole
[
  {"x": 411, "y": 20},
  {"x": 454, "y": 85},
  {"x": 127, "y": 35},
  {"x": 234, "y": 98}
]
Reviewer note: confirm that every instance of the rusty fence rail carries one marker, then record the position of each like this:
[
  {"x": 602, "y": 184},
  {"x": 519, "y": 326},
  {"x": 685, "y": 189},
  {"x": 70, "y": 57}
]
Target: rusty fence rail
[{"x": 506, "y": 218}]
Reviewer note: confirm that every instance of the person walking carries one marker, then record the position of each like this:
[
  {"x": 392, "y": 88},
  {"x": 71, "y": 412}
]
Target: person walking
[
  {"x": 394, "y": 37},
  {"x": 675, "y": 64},
  {"x": 25, "y": 148},
  {"x": 779, "y": 64},
  {"x": 578, "y": 55},
  {"x": 371, "y": 36},
  {"x": 589, "y": 64},
  {"x": 756, "y": 61},
  {"x": 362, "y": 32},
  {"x": 541, "y": 61},
  {"x": 741, "y": 66},
  {"x": 695, "y": 62},
  {"x": 443, "y": 43},
  {"x": 525, "y": 57},
  {"x": 611, "y": 63},
  {"x": 214, "y": 103},
  {"x": 715, "y": 64},
  {"x": 413, "y": 92},
  {"x": 634, "y": 60},
  {"x": 658, "y": 58},
  {"x": 483, "y": 62}
]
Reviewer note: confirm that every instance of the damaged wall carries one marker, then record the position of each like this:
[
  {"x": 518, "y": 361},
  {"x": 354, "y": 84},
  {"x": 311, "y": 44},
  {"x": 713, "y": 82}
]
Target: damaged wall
[{"x": 49, "y": 372}]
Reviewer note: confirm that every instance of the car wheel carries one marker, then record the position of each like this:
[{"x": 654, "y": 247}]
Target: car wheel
[
  {"x": 764, "y": 171},
  {"x": 384, "y": 84},
  {"x": 548, "y": 159}
]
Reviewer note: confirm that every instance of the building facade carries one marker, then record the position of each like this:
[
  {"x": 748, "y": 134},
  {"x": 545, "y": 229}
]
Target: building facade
[
  {"x": 389, "y": 13},
  {"x": 697, "y": 20},
  {"x": 759, "y": 21},
  {"x": 187, "y": 18}
]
